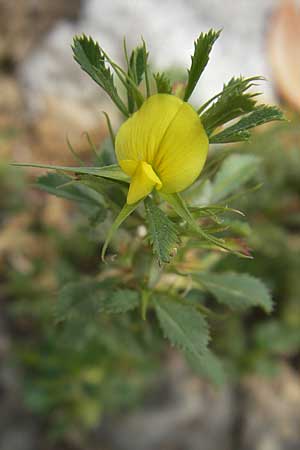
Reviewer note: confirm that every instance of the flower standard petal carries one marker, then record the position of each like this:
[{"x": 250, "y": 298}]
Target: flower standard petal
[
  {"x": 182, "y": 152},
  {"x": 140, "y": 136}
]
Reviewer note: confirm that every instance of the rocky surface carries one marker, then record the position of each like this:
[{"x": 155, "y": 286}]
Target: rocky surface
[
  {"x": 169, "y": 28},
  {"x": 24, "y": 23},
  {"x": 259, "y": 414},
  {"x": 188, "y": 414},
  {"x": 271, "y": 413}
]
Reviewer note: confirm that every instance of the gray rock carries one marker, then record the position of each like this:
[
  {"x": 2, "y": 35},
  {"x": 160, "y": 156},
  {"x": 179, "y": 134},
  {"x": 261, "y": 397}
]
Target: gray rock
[
  {"x": 169, "y": 27},
  {"x": 188, "y": 414},
  {"x": 271, "y": 413}
]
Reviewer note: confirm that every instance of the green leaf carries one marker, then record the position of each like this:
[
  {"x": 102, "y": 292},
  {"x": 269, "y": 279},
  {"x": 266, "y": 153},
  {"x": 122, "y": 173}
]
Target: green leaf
[
  {"x": 91, "y": 58},
  {"x": 182, "y": 325},
  {"x": 232, "y": 102},
  {"x": 235, "y": 171},
  {"x": 124, "y": 213},
  {"x": 65, "y": 187},
  {"x": 239, "y": 131},
  {"x": 110, "y": 191},
  {"x": 181, "y": 208},
  {"x": 84, "y": 299},
  {"x": 236, "y": 290},
  {"x": 112, "y": 172},
  {"x": 80, "y": 299},
  {"x": 163, "y": 83},
  {"x": 203, "y": 46},
  {"x": 97, "y": 217},
  {"x": 137, "y": 66},
  {"x": 207, "y": 365},
  {"x": 121, "y": 301},
  {"x": 186, "y": 329},
  {"x": 163, "y": 233}
]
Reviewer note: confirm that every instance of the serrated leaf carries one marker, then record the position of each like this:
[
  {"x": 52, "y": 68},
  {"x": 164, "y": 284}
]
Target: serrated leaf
[
  {"x": 232, "y": 102},
  {"x": 57, "y": 184},
  {"x": 137, "y": 63},
  {"x": 202, "y": 49},
  {"x": 236, "y": 290},
  {"x": 181, "y": 208},
  {"x": 182, "y": 325},
  {"x": 163, "y": 233},
  {"x": 235, "y": 171},
  {"x": 111, "y": 191},
  {"x": 112, "y": 172},
  {"x": 80, "y": 298},
  {"x": 121, "y": 301},
  {"x": 163, "y": 83},
  {"x": 136, "y": 70},
  {"x": 207, "y": 365},
  {"x": 84, "y": 299},
  {"x": 91, "y": 58},
  {"x": 239, "y": 131}
]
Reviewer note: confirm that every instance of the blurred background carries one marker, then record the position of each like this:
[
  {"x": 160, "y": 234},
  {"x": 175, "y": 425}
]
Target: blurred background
[{"x": 60, "y": 393}]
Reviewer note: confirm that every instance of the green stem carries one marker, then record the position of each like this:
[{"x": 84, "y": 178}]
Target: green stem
[
  {"x": 144, "y": 304},
  {"x": 111, "y": 132}
]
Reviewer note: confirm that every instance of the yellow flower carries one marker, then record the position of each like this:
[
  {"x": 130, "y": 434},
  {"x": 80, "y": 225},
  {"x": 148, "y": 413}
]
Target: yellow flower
[{"x": 163, "y": 146}]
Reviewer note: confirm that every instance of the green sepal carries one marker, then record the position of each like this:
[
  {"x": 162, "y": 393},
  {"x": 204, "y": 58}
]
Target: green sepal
[
  {"x": 123, "y": 214},
  {"x": 163, "y": 83},
  {"x": 113, "y": 172}
]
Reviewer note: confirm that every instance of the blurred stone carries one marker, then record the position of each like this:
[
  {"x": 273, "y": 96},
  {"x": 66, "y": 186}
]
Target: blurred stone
[
  {"x": 186, "y": 414},
  {"x": 189, "y": 414},
  {"x": 271, "y": 412},
  {"x": 11, "y": 105},
  {"x": 60, "y": 99},
  {"x": 23, "y": 23},
  {"x": 48, "y": 131},
  {"x": 10, "y": 99},
  {"x": 168, "y": 27}
]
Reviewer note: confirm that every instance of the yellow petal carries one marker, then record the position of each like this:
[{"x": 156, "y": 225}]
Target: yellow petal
[
  {"x": 182, "y": 151},
  {"x": 142, "y": 182},
  {"x": 139, "y": 137},
  {"x": 129, "y": 166}
]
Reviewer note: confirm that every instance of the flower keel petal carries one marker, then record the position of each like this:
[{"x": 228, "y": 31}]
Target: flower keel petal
[{"x": 142, "y": 182}]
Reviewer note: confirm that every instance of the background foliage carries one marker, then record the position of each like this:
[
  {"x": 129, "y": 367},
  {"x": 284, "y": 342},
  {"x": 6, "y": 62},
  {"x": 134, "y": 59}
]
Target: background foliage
[{"x": 71, "y": 377}]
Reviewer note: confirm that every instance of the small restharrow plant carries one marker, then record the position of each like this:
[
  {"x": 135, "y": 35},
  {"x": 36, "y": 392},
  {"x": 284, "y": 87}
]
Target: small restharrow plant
[{"x": 159, "y": 178}]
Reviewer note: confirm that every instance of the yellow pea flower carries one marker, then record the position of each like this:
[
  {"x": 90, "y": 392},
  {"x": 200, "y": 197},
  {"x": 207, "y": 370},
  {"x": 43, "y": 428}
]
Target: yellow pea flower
[{"x": 163, "y": 146}]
